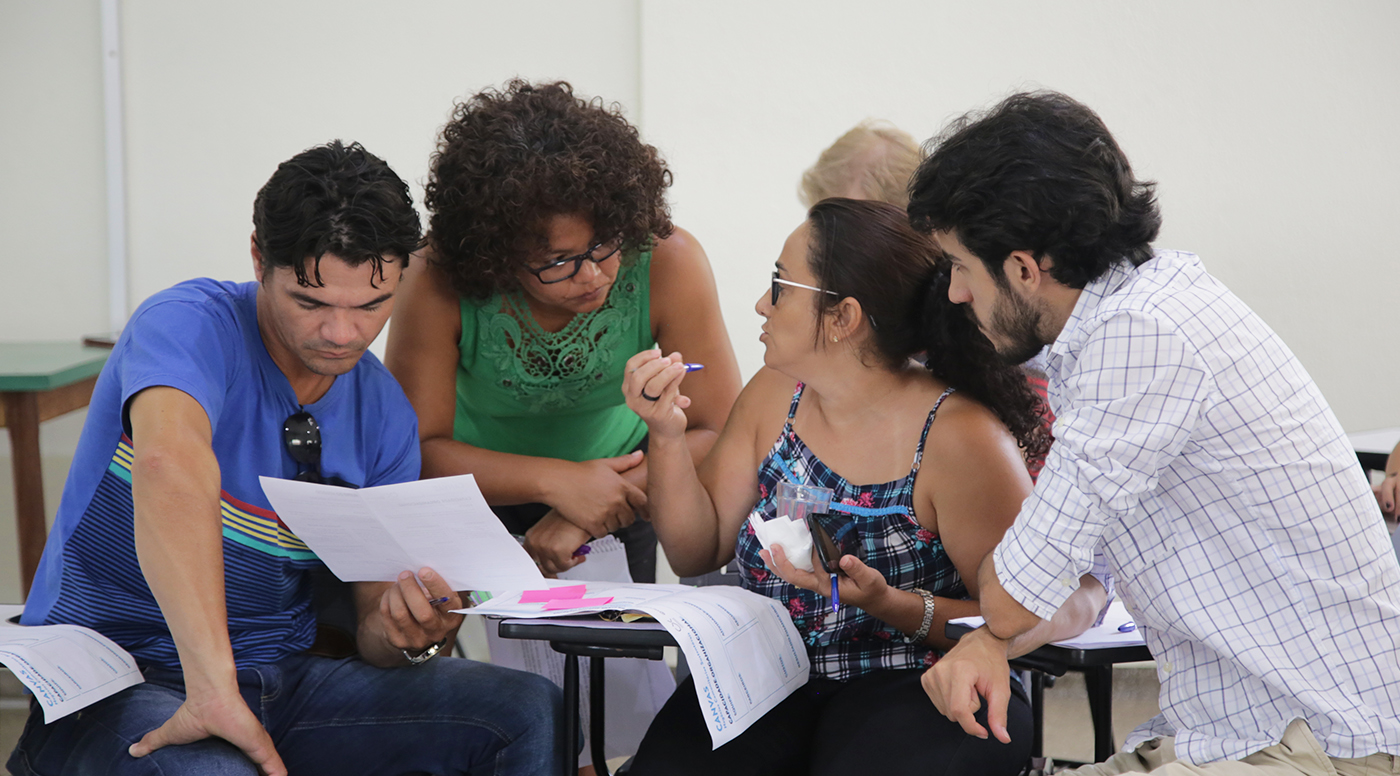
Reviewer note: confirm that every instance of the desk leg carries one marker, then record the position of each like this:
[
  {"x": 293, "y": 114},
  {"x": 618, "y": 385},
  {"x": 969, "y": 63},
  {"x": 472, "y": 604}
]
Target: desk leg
[
  {"x": 1037, "y": 713},
  {"x": 22, "y": 416},
  {"x": 571, "y": 721},
  {"x": 1099, "y": 684},
  {"x": 595, "y": 715}
]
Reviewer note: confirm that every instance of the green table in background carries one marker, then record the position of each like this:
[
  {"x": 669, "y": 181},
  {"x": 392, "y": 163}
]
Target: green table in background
[{"x": 39, "y": 381}]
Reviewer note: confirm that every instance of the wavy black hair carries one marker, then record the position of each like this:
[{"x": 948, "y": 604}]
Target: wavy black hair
[
  {"x": 510, "y": 159},
  {"x": 868, "y": 251},
  {"x": 1040, "y": 173},
  {"x": 337, "y": 199}
]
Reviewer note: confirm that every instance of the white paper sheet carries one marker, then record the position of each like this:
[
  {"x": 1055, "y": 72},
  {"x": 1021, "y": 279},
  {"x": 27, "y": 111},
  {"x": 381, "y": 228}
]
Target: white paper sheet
[
  {"x": 742, "y": 648},
  {"x": 792, "y": 535},
  {"x": 373, "y": 534},
  {"x": 67, "y": 667},
  {"x": 633, "y": 690},
  {"x": 1103, "y": 636}
]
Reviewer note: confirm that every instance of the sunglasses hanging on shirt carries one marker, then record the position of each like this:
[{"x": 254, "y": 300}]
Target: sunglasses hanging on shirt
[{"x": 301, "y": 436}]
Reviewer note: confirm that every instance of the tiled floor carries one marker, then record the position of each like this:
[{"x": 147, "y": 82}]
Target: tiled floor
[{"x": 1068, "y": 734}]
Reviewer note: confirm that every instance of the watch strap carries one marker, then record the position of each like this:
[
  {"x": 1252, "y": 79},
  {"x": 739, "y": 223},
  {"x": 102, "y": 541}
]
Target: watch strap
[
  {"x": 922, "y": 633},
  {"x": 425, "y": 655}
]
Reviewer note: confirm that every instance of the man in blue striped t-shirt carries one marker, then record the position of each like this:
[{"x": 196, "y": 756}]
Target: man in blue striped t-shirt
[{"x": 165, "y": 542}]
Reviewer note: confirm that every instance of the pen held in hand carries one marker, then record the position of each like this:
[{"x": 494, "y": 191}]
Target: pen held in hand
[
  {"x": 582, "y": 551},
  {"x": 694, "y": 367},
  {"x": 835, "y": 595},
  {"x": 439, "y": 601}
]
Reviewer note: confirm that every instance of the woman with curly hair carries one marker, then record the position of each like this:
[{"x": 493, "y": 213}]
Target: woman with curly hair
[
  {"x": 550, "y": 259},
  {"x": 926, "y": 477}
]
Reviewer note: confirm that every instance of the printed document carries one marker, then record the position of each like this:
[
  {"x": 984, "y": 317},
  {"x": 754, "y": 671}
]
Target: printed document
[
  {"x": 1105, "y": 634},
  {"x": 373, "y": 534},
  {"x": 67, "y": 667},
  {"x": 633, "y": 690},
  {"x": 742, "y": 648}
]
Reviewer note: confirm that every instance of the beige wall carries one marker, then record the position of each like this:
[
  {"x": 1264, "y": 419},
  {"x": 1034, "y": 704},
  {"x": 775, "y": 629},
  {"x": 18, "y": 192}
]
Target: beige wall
[
  {"x": 1268, "y": 125},
  {"x": 217, "y": 94},
  {"x": 52, "y": 213}
]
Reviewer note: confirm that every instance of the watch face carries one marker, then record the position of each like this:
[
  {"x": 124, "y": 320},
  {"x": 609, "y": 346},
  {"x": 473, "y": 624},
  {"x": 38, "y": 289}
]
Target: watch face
[{"x": 426, "y": 655}]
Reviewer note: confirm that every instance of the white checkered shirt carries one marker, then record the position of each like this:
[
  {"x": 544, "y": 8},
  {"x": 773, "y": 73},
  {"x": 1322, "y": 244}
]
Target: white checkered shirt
[{"x": 1194, "y": 453}]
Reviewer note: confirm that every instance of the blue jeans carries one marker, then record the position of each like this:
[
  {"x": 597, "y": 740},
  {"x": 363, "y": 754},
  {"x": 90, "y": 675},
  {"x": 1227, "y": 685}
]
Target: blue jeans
[{"x": 325, "y": 716}]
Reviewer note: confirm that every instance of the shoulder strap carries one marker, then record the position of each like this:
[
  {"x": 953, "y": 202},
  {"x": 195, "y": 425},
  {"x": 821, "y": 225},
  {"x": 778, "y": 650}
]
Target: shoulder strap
[
  {"x": 796, "y": 397},
  {"x": 919, "y": 452}
]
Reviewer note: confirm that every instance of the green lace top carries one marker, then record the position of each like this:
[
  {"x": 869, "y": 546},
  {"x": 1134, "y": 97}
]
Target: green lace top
[{"x": 524, "y": 390}]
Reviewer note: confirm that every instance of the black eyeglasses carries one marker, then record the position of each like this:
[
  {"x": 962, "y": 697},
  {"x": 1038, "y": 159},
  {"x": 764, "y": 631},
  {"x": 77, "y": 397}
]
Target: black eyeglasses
[
  {"x": 563, "y": 269},
  {"x": 778, "y": 284},
  {"x": 301, "y": 435}
]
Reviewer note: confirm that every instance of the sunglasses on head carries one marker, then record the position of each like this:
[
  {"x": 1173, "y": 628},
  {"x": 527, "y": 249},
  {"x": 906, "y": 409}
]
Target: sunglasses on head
[
  {"x": 778, "y": 284},
  {"x": 301, "y": 436}
]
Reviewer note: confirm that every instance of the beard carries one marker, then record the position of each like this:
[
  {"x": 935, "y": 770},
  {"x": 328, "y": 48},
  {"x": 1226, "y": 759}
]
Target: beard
[{"x": 1015, "y": 329}]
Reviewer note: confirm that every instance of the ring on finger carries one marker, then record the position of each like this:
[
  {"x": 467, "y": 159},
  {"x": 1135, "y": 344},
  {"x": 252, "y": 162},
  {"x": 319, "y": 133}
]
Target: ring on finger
[{"x": 648, "y": 396}]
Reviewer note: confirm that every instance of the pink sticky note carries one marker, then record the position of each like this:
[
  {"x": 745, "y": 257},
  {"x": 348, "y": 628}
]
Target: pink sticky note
[
  {"x": 553, "y": 594},
  {"x": 576, "y": 603}
]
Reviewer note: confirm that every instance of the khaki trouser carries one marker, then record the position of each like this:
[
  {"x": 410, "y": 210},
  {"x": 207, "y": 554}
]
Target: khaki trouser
[{"x": 1298, "y": 753}]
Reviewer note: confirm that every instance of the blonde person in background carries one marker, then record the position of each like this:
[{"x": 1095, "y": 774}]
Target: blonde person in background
[{"x": 874, "y": 160}]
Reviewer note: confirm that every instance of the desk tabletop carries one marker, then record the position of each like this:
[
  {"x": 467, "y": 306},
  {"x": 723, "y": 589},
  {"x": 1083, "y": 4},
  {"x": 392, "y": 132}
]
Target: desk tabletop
[
  {"x": 589, "y": 632},
  {"x": 1380, "y": 440},
  {"x": 1056, "y": 660},
  {"x": 44, "y": 366}
]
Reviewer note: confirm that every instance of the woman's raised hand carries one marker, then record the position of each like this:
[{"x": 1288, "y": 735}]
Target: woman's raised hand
[{"x": 652, "y": 387}]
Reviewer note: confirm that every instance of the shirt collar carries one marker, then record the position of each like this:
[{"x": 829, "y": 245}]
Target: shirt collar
[{"x": 1093, "y": 295}]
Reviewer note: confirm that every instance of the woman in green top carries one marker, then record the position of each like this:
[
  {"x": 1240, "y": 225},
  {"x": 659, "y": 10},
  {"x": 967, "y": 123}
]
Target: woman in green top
[{"x": 551, "y": 259}]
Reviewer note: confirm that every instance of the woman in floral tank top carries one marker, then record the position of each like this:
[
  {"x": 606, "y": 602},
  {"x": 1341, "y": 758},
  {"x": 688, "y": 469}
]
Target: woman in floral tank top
[{"x": 927, "y": 476}]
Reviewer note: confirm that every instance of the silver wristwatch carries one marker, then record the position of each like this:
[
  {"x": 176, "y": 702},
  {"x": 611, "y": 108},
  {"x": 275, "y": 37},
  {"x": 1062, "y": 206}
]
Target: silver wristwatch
[
  {"x": 922, "y": 633},
  {"x": 426, "y": 655}
]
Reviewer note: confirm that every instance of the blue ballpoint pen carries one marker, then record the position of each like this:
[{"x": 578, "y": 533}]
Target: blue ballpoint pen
[
  {"x": 1127, "y": 627},
  {"x": 835, "y": 595},
  {"x": 437, "y": 601},
  {"x": 694, "y": 367}
]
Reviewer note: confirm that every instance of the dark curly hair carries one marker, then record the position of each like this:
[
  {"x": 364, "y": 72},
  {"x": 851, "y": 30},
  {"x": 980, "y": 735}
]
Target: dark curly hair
[
  {"x": 867, "y": 250},
  {"x": 508, "y": 160},
  {"x": 1040, "y": 173},
  {"x": 338, "y": 199}
]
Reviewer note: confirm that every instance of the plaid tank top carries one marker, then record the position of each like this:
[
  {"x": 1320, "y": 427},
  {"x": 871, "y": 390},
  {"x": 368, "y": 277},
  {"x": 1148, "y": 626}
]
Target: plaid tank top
[{"x": 850, "y": 642}]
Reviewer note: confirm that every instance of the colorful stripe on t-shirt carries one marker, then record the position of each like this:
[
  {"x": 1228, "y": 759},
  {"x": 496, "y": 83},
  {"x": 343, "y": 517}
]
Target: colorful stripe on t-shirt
[{"x": 251, "y": 526}]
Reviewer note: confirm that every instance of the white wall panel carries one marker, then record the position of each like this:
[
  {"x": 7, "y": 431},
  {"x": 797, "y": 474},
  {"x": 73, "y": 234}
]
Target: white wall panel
[
  {"x": 219, "y": 93},
  {"x": 1268, "y": 125}
]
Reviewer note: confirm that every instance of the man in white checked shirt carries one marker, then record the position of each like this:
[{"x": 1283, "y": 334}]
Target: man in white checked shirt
[{"x": 1193, "y": 455}]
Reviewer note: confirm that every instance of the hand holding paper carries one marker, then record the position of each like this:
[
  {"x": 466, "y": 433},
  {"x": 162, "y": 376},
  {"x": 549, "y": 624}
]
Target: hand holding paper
[{"x": 374, "y": 534}]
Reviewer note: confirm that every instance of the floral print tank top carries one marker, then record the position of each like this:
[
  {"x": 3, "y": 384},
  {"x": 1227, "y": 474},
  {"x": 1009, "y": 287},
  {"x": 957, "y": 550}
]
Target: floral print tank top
[{"x": 850, "y": 642}]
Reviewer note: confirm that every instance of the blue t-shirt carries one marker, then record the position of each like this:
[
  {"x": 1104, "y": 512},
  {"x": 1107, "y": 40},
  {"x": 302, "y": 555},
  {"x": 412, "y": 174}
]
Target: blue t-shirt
[{"x": 202, "y": 338}]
